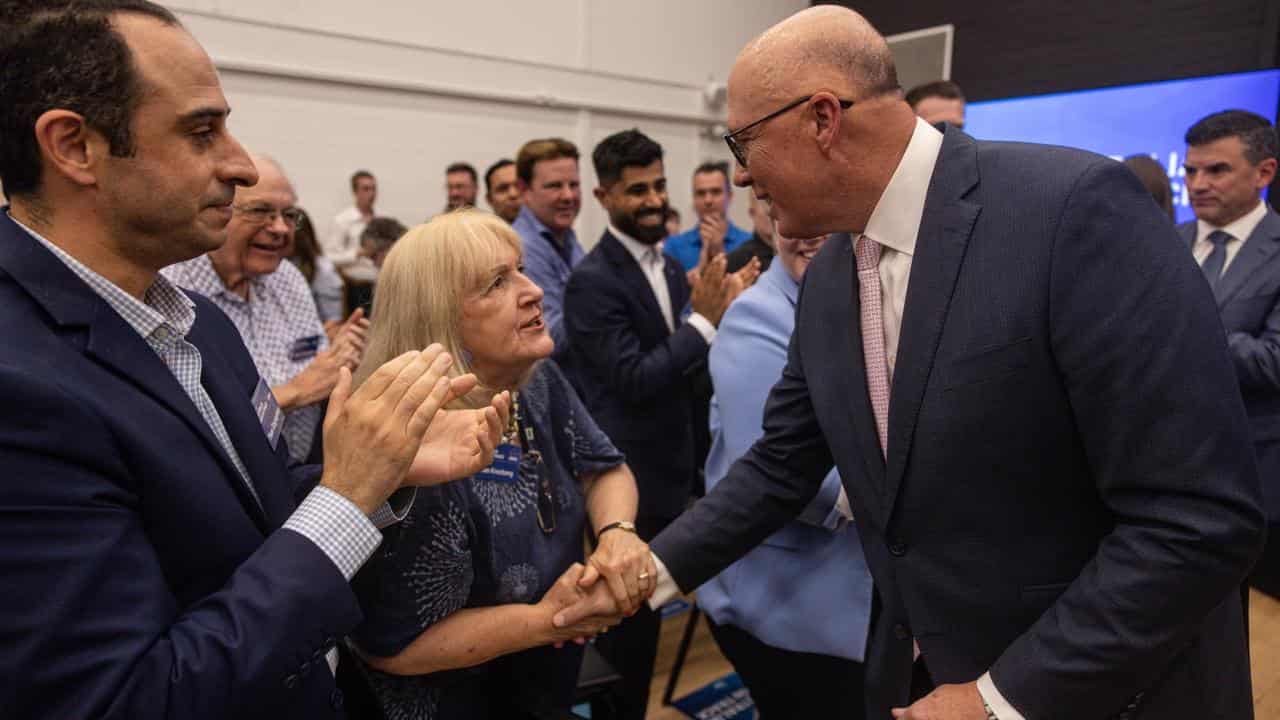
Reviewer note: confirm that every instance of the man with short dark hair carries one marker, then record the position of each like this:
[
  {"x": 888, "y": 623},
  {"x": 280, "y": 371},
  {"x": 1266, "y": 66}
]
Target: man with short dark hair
[
  {"x": 379, "y": 237},
  {"x": 631, "y": 357},
  {"x": 501, "y": 189},
  {"x": 461, "y": 185},
  {"x": 551, "y": 193},
  {"x": 1231, "y": 159},
  {"x": 342, "y": 244},
  {"x": 715, "y": 233},
  {"x": 938, "y": 101},
  {"x": 160, "y": 560}
]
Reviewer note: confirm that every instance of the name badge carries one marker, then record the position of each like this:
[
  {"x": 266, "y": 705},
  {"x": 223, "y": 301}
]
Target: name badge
[
  {"x": 269, "y": 413},
  {"x": 505, "y": 467},
  {"x": 304, "y": 348}
]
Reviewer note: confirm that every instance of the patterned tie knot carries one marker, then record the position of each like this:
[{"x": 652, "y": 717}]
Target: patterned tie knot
[
  {"x": 866, "y": 253},
  {"x": 1219, "y": 238}
]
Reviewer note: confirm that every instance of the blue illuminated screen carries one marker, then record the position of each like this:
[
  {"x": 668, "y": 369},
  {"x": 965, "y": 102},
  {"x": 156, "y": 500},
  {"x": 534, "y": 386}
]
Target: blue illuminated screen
[{"x": 1146, "y": 119}]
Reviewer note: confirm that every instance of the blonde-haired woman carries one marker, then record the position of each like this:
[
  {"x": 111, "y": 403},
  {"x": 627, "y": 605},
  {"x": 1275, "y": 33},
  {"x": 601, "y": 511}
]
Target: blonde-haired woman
[{"x": 459, "y": 601}]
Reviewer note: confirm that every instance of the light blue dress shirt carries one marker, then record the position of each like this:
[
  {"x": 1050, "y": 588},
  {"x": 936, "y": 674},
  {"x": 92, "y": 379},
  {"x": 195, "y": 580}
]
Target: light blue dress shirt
[
  {"x": 807, "y": 587},
  {"x": 548, "y": 264},
  {"x": 686, "y": 246}
]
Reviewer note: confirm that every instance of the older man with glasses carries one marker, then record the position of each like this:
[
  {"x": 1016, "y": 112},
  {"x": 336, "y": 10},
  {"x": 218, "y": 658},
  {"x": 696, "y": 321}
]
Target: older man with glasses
[{"x": 270, "y": 303}]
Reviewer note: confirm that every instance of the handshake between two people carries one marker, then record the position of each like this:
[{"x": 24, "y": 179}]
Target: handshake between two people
[
  {"x": 394, "y": 431},
  {"x": 615, "y": 582}
]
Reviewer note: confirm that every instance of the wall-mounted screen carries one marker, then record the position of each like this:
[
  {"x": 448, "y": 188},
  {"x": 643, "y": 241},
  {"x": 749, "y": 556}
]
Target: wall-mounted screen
[{"x": 1150, "y": 119}]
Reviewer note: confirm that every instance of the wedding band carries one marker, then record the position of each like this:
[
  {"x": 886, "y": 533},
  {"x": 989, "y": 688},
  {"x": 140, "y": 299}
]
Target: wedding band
[{"x": 643, "y": 576}]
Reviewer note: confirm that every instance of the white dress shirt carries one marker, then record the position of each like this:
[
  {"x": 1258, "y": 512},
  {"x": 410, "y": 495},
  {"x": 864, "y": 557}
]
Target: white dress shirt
[
  {"x": 649, "y": 258},
  {"x": 1240, "y": 230},
  {"x": 895, "y": 224},
  {"x": 342, "y": 244}
]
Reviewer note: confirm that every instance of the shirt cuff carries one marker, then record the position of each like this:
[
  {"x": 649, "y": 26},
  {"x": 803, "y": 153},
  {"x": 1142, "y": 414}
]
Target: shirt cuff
[
  {"x": 994, "y": 700},
  {"x": 841, "y": 514},
  {"x": 703, "y": 326},
  {"x": 337, "y": 527},
  {"x": 395, "y": 509},
  {"x": 666, "y": 589}
]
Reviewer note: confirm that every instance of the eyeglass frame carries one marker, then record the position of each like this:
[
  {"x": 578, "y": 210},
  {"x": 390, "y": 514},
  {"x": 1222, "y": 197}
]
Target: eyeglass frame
[
  {"x": 291, "y": 216},
  {"x": 739, "y": 153}
]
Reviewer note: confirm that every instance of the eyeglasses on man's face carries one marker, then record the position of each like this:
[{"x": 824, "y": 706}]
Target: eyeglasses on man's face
[
  {"x": 265, "y": 215},
  {"x": 740, "y": 152}
]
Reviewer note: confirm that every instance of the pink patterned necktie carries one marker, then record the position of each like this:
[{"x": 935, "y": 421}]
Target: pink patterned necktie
[{"x": 867, "y": 255}]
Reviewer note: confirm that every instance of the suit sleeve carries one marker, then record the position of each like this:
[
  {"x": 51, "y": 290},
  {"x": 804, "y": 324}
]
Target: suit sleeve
[
  {"x": 1257, "y": 358},
  {"x": 765, "y": 489},
  {"x": 1139, "y": 346},
  {"x": 90, "y": 623},
  {"x": 601, "y": 328}
]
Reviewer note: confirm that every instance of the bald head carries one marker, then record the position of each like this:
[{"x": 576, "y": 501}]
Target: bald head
[{"x": 827, "y": 47}]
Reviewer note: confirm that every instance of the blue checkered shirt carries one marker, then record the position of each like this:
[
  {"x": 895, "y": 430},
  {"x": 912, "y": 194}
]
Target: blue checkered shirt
[
  {"x": 163, "y": 318},
  {"x": 278, "y": 323}
]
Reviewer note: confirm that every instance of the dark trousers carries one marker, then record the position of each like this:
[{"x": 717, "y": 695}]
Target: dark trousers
[
  {"x": 789, "y": 684},
  {"x": 632, "y": 646}
]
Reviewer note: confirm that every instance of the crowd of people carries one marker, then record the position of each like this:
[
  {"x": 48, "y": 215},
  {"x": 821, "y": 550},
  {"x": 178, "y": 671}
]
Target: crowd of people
[{"x": 976, "y": 429}]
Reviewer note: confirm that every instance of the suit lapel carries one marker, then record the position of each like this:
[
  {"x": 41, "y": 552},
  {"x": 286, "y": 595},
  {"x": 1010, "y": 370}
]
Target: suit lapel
[
  {"x": 1260, "y": 246},
  {"x": 945, "y": 227},
  {"x": 637, "y": 284},
  {"x": 245, "y": 430},
  {"x": 676, "y": 290}
]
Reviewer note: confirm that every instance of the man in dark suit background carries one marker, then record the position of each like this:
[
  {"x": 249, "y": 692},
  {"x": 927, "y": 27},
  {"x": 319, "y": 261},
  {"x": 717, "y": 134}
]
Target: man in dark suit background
[
  {"x": 1021, "y": 378},
  {"x": 1231, "y": 158},
  {"x": 632, "y": 359},
  {"x": 159, "y": 559}
]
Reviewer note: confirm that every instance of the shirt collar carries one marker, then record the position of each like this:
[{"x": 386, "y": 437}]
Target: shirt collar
[
  {"x": 163, "y": 303},
  {"x": 895, "y": 222},
  {"x": 203, "y": 278},
  {"x": 634, "y": 246},
  {"x": 526, "y": 217},
  {"x": 1240, "y": 229}
]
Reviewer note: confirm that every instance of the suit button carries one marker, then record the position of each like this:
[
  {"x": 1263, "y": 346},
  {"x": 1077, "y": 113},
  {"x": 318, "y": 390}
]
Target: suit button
[
  {"x": 897, "y": 549},
  {"x": 291, "y": 682},
  {"x": 336, "y": 699},
  {"x": 902, "y": 632}
]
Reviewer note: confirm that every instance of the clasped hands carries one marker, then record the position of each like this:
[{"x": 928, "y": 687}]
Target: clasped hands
[{"x": 589, "y": 599}]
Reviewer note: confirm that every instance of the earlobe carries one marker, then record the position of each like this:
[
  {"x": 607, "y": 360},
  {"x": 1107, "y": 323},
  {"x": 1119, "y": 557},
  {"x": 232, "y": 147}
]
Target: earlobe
[{"x": 69, "y": 146}]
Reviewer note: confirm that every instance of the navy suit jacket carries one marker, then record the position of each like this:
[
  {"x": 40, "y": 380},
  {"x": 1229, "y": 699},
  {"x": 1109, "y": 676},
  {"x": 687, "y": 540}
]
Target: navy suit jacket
[
  {"x": 141, "y": 579},
  {"x": 1070, "y": 500},
  {"x": 1248, "y": 298},
  {"x": 634, "y": 374}
]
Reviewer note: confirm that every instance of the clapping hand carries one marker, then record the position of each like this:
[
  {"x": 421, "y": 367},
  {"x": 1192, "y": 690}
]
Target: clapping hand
[
  {"x": 372, "y": 435},
  {"x": 459, "y": 443}
]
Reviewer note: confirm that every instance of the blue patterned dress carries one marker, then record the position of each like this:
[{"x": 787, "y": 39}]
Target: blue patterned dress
[{"x": 477, "y": 543}]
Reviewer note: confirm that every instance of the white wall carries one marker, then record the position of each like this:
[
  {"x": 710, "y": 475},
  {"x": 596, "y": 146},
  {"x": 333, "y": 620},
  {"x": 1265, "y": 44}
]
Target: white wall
[{"x": 404, "y": 88}]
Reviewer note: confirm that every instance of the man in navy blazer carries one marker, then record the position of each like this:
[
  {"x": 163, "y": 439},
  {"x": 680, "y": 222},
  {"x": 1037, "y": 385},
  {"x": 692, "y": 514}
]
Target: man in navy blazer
[
  {"x": 1061, "y": 504},
  {"x": 632, "y": 358},
  {"x": 159, "y": 559},
  {"x": 1231, "y": 159}
]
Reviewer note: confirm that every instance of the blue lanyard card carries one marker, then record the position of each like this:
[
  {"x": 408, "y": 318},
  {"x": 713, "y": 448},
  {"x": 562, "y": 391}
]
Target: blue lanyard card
[{"x": 505, "y": 467}]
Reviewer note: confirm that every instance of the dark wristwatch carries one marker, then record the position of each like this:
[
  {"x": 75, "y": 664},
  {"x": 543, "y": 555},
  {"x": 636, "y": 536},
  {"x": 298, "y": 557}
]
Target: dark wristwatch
[{"x": 620, "y": 525}]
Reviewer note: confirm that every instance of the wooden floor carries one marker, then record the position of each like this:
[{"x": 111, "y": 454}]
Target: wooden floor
[{"x": 705, "y": 663}]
